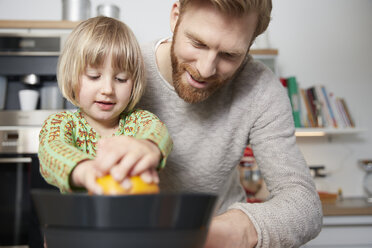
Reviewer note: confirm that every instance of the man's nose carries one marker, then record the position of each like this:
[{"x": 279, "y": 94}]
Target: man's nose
[{"x": 207, "y": 64}]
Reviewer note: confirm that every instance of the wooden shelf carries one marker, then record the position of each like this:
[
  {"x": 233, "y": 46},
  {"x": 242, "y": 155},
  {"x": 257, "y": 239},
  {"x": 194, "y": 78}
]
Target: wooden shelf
[
  {"x": 28, "y": 24},
  {"x": 55, "y": 24},
  {"x": 264, "y": 52},
  {"x": 313, "y": 132}
]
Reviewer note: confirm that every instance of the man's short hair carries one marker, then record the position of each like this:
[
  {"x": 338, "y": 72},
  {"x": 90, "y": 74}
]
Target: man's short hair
[{"x": 239, "y": 8}]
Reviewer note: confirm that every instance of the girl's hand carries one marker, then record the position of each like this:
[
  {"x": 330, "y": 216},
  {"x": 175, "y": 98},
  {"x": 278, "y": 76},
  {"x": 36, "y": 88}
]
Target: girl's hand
[
  {"x": 149, "y": 177},
  {"x": 85, "y": 175},
  {"x": 125, "y": 156}
]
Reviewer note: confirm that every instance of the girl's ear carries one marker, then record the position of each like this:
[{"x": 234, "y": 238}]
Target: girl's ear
[{"x": 175, "y": 14}]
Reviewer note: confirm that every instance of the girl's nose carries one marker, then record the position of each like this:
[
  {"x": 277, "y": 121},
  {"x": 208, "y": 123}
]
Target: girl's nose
[{"x": 107, "y": 86}]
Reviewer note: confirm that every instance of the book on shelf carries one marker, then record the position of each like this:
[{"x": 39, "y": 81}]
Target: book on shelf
[
  {"x": 330, "y": 114},
  {"x": 294, "y": 99},
  {"x": 284, "y": 82},
  {"x": 327, "y": 112},
  {"x": 345, "y": 111},
  {"x": 336, "y": 111},
  {"x": 315, "y": 106},
  {"x": 306, "y": 109},
  {"x": 342, "y": 112},
  {"x": 329, "y": 107}
]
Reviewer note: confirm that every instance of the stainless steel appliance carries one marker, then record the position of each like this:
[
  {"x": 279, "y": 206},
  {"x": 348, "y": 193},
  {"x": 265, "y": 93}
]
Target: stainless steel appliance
[
  {"x": 20, "y": 55},
  {"x": 75, "y": 10},
  {"x": 19, "y": 174},
  {"x": 30, "y": 44},
  {"x": 28, "y": 61},
  {"x": 109, "y": 10},
  {"x": 366, "y": 164}
]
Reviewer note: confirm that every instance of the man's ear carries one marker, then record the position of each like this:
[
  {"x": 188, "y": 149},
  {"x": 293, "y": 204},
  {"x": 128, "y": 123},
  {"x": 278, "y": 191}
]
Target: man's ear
[{"x": 175, "y": 14}]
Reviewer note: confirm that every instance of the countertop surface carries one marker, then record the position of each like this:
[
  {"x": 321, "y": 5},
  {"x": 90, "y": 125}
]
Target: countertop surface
[{"x": 348, "y": 206}]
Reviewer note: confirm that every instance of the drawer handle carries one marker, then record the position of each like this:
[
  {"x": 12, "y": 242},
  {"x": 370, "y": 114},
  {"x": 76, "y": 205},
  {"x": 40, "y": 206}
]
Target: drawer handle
[{"x": 15, "y": 160}]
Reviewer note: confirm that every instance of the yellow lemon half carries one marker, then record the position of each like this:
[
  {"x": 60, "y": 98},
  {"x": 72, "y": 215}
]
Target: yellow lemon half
[
  {"x": 111, "y": 187},
  {"x": 141, "y": 187}
]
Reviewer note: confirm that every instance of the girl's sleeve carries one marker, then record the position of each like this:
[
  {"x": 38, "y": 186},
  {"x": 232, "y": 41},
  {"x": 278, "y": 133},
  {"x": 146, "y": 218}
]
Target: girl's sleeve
[
  {"x": 57, "y": 153},
  {"x": 150, "y": 127}
]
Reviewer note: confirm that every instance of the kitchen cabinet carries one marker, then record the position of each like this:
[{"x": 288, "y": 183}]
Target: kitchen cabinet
[
  {"x": 346, "y": 223},
  {"x": 344, "y": 231}
]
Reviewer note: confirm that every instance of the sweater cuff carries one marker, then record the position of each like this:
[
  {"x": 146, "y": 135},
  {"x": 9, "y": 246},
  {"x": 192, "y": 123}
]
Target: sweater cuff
[
  {"x": 164, "y": 150},
  {"x": 238, "y": 205},
  {"x": 67, "y": 187}
]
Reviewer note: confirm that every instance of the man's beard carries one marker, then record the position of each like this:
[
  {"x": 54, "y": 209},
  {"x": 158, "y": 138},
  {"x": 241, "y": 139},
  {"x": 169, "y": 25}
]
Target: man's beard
[{"x": 184, "y": 90}]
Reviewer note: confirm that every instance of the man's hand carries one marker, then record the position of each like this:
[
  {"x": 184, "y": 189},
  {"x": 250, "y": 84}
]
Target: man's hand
[{"x": 231, "y": 229}]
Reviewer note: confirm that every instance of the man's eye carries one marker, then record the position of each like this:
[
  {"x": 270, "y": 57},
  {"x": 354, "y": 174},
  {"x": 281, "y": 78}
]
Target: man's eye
[
  {"x": 198, "y": 44},
  {"x": 230, "y": 56}
]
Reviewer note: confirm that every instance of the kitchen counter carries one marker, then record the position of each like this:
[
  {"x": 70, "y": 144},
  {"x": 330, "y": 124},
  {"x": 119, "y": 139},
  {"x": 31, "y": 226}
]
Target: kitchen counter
[
  {"x": 347, "y": 206},
  {"x": 346, "y": 223}
]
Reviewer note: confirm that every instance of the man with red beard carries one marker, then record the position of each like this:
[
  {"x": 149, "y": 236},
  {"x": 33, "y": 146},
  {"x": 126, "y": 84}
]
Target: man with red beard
[{"x": 215, "y": 99}]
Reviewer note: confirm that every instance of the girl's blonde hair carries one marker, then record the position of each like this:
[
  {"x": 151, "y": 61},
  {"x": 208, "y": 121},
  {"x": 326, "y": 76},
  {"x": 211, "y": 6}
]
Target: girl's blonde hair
[
  {"x": 89, "y": 44},
  {"x": 240, "y": 7}
]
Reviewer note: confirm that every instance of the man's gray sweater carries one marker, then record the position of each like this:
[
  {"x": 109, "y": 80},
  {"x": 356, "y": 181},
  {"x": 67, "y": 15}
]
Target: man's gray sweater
[{"x": 209, "y": 140}]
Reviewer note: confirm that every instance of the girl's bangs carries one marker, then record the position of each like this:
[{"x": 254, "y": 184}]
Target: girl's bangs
[{"x": 98, "y": 50}]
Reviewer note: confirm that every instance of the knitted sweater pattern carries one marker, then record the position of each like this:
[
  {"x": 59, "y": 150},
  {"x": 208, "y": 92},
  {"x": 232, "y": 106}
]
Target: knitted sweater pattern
[
  {"x": 66, "y": 139},
  {"x": 209, "y": 139}
]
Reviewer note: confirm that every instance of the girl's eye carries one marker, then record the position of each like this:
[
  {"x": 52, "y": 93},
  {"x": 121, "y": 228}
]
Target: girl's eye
[
  {"x": 91, "y": 77},
  {"x": 121, "y": 80}
]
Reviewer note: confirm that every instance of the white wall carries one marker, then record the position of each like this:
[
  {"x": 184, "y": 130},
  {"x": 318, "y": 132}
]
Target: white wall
[
  {"x": 320, "y": 42},
  {"x": 149, "y": 19},
  {"x": 330, "y": 42}
]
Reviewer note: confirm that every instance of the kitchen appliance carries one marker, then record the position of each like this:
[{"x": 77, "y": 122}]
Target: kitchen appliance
[
  {"x": 31, "y": 79},
  {"x": 3, "y": 84},
  {"x": 75, "y": 10},
  {"x": 19, "y": 173},
  {"x": 366, "y": 164},
  {"x": 108, "y": 10},
  {"x": 51, "y": 97},
  {"x": 132, "y": 221},
  {"x": 28, "y": 99},
  {"x": 29, "y": 44},
  {"x": 27, "y": 62}
]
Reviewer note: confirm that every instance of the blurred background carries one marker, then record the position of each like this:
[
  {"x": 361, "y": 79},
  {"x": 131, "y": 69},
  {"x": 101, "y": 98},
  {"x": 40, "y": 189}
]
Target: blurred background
[
  {"x": 319, "y": 42},
  {"x": 324, "y": 42}
]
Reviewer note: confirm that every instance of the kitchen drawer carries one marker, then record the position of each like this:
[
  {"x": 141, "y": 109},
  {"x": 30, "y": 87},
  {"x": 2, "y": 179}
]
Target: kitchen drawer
[{"x": 344, "y": 231}]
